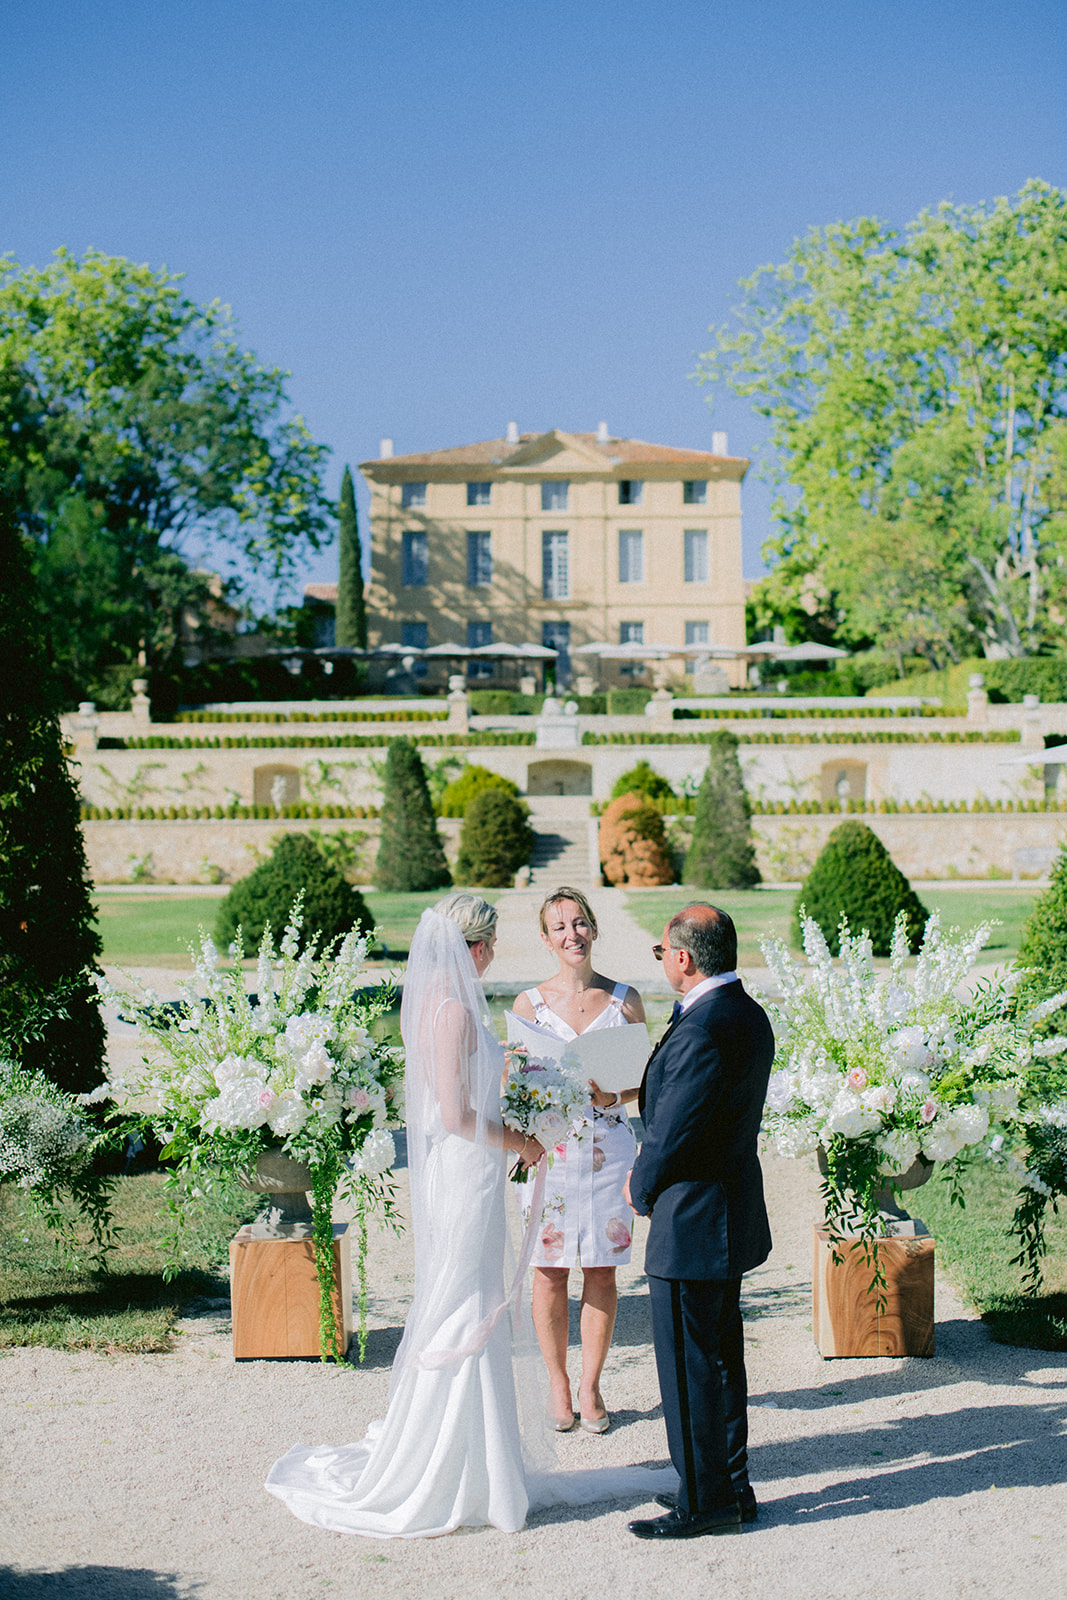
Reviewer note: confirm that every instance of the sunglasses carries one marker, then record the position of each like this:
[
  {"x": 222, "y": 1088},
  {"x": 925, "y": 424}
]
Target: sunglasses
[{"x": 658, "y": 949}]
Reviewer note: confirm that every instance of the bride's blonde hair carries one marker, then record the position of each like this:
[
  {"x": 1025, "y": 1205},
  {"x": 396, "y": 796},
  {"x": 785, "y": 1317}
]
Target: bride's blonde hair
[
  {"x": 475, "y": 916},
  {"x": 565, "y": 893}
]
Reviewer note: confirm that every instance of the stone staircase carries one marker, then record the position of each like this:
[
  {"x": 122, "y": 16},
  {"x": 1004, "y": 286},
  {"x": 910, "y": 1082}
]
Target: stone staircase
[{"x": 560, "y": 854}]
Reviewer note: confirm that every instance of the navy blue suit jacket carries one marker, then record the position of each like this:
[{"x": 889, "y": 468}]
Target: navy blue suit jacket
[{"x": 698, "y": 1171}]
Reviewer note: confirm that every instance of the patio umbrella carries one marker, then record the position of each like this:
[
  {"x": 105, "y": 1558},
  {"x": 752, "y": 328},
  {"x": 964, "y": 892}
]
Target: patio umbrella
[{"x": 458, "y": 651}]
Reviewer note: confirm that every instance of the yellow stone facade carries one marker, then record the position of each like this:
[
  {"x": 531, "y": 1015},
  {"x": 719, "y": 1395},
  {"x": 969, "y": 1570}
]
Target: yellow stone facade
[{"x": 625, "y": 552}]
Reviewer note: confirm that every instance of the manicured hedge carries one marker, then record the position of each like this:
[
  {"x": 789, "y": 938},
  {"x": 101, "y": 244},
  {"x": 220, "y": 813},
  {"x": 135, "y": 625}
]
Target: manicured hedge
[{"x": 311, "y": 716}]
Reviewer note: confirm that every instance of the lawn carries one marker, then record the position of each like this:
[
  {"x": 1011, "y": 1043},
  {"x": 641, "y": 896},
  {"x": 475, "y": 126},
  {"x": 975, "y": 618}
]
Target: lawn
[
  {"x": 129, "y": 1307},
  {"x": 975, "y": 1251},
  {"x": 766, "y": 912},
  {"x": 141, "y": 930}
]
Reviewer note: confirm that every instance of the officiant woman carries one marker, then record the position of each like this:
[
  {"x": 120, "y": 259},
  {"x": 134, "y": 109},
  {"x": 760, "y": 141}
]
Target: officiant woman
[{"x": 585, "y": 1221}]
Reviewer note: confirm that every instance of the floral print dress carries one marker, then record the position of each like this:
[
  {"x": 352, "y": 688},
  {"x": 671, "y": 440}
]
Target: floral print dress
[{"x": 585, "y": 1220}]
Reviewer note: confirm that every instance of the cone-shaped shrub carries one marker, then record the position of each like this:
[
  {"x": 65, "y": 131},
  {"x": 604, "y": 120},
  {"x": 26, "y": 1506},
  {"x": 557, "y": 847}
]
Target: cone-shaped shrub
[
  {"x": 633, "y": 843},
  {"x": 49, "y": 1017},
  {"x": 331, "y": 905},
  {"x": 410, "y": 853},
  {"x": 1044, "y": 941},
  {"x": 643, "y": 779},
  {"x": 496, "y": 840},
  {"x": 721, "y": 854},
  {"x": 856, "y": 877},
  {"x": 470, "y": 783}
]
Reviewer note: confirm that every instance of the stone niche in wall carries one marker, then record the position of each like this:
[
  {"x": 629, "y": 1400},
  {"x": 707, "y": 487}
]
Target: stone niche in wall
[
  {"x": 264, "y": 780},
  {"x": 559, "y": 777},
  {"x": 843, "y": 780}
]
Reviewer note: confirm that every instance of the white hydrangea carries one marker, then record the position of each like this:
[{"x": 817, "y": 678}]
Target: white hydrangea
[
  {"x": 800, "y": 1138},
  {"x": 850, "y": 1117},
  {"x": 376, "y": 1154},
  {"x": 288, "y": 1114},
  {"x": 898, "y": 1147},
  {"x": 781, "y": 1090}
]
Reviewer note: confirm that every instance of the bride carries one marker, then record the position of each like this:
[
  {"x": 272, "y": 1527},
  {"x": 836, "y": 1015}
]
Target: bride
[{"x": 461, "y": 1443}]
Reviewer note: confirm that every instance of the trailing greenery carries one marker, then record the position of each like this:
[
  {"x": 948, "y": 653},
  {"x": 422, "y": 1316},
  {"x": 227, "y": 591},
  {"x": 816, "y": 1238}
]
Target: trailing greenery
[
  {"x": 721, "y": 852},
  {"x": 351, "y": 613},
  {"x": 47, "y": 1148},
  {"x": 974, "y": 1247},
  {"x": 410, "y": 853},
  {"x": 48, "y": 943},
  {"x": 856, "y": 878},
  {"x": 297, "y": 866},
  {"x": 496, "y": 839},
  {"x": 645, "y": 780},
  {"x": 472, "y": 781},
  {"x": 131, "y": 1307}
]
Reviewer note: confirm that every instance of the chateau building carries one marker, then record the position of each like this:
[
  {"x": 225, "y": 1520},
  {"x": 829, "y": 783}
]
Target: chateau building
[{"x": 558, "y": 539}]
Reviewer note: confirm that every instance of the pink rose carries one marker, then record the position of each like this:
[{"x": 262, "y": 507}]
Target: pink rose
[
  {"x": 266, "y": 1098},
  {"x": 928, "y": 1112},
  {"x": 618, "y": 1235},
  {"x": 857, "y": 1079},
  {"x": 358, "y": 1099}
]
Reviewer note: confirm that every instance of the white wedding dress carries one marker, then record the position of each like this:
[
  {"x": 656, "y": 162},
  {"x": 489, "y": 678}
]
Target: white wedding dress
[{"x": 461, "y": 1444}]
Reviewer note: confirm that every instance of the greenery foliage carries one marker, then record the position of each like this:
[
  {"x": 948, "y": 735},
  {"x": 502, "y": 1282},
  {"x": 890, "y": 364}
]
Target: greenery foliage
[
  {"x": 856, "y": 878},
  {"x": 643, "y": 779},
  {"x": 916, "y": 385},
  {"x": 472, "y": 781},
  {"x": 298, "y": 865},
  {"x": 48, "y": 941},
  {"x": 628, "y": 702},
  {"x": 721, "y": 853},
  {"x": 496, "y": 839},
  {"x": 1006, "y": 682},
  {"x": 351, "y": 614},
  {"x": 132, "y": 427},
  {"x": 410, "y": 853}
]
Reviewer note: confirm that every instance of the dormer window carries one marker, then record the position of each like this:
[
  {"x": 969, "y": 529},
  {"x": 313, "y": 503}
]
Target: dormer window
[
  {"x": 412, "y": 495},
  {"x": 554, "y": 495},
  {"x": 631, "y": 492}
]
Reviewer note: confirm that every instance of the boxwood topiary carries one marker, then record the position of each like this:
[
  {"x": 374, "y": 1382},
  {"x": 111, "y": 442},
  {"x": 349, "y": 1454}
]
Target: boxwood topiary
[
  {"x": 855, "y": 877},
  {"x": 331, "y": 905},
  {"x": 645, "y": 780},
  {"x": 496, "y": 840},
  {"x": 472, "y": 781}
]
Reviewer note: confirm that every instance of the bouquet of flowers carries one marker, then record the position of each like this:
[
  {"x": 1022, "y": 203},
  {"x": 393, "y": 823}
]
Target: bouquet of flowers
[
  {"x": 293, "y": 1069},
  {"x": 878, "y": 1070},
  {"x": 47, "y": 1144},
  {"x": 543, "y": 1100}
]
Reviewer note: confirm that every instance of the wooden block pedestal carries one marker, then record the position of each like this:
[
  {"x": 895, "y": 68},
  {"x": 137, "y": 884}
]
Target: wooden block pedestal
[
  {"x": 845, "y": 1318},
  {"x": 274, "y": 1295}
]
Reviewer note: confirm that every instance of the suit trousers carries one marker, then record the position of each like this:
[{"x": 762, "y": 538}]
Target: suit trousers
[{"x": 700, "y": 1360}]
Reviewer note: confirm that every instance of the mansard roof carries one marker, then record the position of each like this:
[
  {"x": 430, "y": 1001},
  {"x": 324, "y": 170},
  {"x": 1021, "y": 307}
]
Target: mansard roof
[{"x": 556, "y": 453}]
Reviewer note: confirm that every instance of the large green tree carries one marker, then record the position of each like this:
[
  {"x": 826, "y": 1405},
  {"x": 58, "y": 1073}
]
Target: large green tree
[
  {"x": 49, "y": 1016},
  {"x": 351, "y": 609},
  {"x": 138, "y": 442},
  {"x": 916, "y": 386}
]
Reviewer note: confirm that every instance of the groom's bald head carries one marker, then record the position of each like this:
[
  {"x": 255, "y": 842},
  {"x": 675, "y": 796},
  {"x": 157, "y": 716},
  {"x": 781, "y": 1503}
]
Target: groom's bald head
[{"x": 709, "y": 936}]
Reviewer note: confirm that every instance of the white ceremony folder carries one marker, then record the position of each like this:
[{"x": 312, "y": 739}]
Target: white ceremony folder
[{"x": 613, "y": 1057}]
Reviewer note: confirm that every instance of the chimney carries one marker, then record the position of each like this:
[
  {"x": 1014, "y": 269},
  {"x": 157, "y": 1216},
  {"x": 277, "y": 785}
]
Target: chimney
[
  {"x": 385, "y": 449},
  {"x": 513, "y": 433},
  {"x": 602, "y": 435},
  {"x": 718, "y": 445}
]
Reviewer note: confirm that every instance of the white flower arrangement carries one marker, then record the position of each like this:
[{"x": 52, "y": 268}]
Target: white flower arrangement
[
  {"x": 542, "y": 1099},
  {"x": 879, "y": 1068},
  {"x": 229, "y": 1076}
]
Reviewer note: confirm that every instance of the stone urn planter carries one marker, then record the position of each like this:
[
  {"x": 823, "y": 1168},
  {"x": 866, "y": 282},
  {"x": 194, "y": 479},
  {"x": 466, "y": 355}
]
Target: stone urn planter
[
  {"x": 287, "y": 1214},
  {"x": 916, "y": 1175}
]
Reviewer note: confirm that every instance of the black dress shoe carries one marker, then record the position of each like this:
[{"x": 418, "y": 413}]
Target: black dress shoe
[
  {"x": 679, "y": 1524},
  {"x": 746, "y": 1503}
]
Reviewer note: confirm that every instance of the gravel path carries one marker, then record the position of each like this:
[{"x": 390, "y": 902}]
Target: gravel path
[{"x": 140, "y": 1477}]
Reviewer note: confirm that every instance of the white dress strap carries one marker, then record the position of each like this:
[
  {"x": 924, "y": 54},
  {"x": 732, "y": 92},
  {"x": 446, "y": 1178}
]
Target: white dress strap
[
  {"x": 536, "y": 998},
  {"x": 619, "y": 994}
]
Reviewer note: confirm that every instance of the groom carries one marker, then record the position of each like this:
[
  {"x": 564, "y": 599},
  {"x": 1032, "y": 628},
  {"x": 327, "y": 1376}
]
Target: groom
[{"x": 698, "y": 1177}]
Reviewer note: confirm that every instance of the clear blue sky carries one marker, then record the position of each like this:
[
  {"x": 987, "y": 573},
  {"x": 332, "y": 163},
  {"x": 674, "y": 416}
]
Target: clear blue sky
[{"x": 441, "y": 216}]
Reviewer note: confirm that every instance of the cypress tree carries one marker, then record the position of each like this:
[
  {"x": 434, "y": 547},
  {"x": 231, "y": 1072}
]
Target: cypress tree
[
  {"x": 410, "y": 853},
  {"x": 721, "y": 854},
  {"x": 49, "y": 1015},
  {"x": 856, "y": 877},
  {"x": 351, "y": 626}
]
